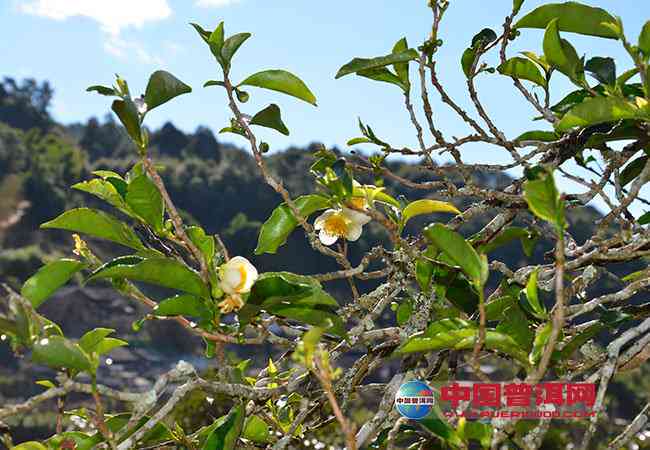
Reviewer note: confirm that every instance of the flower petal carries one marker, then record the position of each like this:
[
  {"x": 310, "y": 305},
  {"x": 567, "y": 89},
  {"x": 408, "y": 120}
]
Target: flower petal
[
  {"x": 354, "y": 232},
  {"x": 326, "y": 238},
  {"x": 319, "y": 223},
  {"x": 356, "y": 216}
]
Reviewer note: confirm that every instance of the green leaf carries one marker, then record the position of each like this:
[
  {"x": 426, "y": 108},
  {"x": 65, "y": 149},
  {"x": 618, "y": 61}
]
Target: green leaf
[
  {"x": 541, "y": 338},
  {"x": 522, "y": 68},
  {"x": 256, "y": 430},
  {"x": 30, "y": 445},
  {"x": 102, "y": 90},
  {"x": 91, "y": 340},
  {"x": 96, "y": 223},
  {"x": 644, "y": 219},
  {"x": 295, "y": 297},
  {"x": 403, "y": 313},
  {"x": 214, "y": 83},
  {"x": 508, "y": 235},
  {"x": 537, "y": 135},
  {"x": 516, "y": 5},
  {"x": 483, "y": 38},
  {"x": 203, "y": 242},
  {"x": 281, "y": 81},
  {"x": 597, "y": 110},
  {"x": 644, "y": 39},
  {"x": 128, "y": 114},
  {"x": 40, "y": 286},
  {"x": 161, "y": 271},
  {"x": 602, "y": 69},
  {"x": 359, "y": 140},
  {"x": 456, "y": 248},
  {"x": 633, "y": 170},
  {"x": 58, "y": 352},
  {"x": 532, "y": 295},
  {"x": 108, "y": 344},
  {"x": 278, "y": 227},
  {"x": 183, "y": 305},
  {"x": 426, "y": 206},
  {"x": 573, "y": 17},
  {"x": 537, "y": 59},
  {"x": 383, "y": 74},
  {"x": 105, "y": 190},
  {"x": 362, "y": 64},
  {"x": 580, "y": 339},
  {"x": 402, "y": 68},
  {"x": 423, "y": 274},
  {"x": 204, "y": 34},
  {"x": 225, "y": 436},
  {"x": 544, "y": 200},
  {"x": 231, "y": 45},
  {"x": 270, "y": 117},
  {"x": 144, "y": 199},
  {"x": 215, "y": 41},
  {"x": 162, "y": 87},
  {"x": 467, "y": 60},
  {"x": 561, "y": 54}
]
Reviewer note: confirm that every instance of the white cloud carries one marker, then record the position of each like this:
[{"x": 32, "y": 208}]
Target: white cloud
[
  {"x": 215, "y": 3},
  {"x": 113, "y": 16}
]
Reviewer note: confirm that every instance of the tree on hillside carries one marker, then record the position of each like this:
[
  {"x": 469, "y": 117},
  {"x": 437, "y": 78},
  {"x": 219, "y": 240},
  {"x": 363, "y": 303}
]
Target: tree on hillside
[{"x": 458, "y": 313}]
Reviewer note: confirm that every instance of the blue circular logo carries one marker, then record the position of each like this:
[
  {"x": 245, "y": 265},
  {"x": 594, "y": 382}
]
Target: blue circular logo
[{"x": 414, "y": 400}]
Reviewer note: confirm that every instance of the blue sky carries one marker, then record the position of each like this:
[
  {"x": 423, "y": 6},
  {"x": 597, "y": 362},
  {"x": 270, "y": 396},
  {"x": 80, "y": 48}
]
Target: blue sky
[{"x": 77, "y": 43}]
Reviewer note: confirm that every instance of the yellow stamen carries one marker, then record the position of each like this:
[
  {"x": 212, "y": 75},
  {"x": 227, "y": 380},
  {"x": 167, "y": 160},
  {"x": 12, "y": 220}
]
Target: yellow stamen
[
  {"x": 336, "y": 225},
  {"x": 242, "y": 278}
]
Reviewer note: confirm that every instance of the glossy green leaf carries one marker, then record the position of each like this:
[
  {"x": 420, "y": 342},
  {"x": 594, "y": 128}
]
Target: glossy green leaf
[
  {"x": 256, "y": 430},
  {"x": 161, "y": 271},
  {"x": 270, "y": 117},
  {"x": 183, "y": 305},
  {"x": 102, "y": 90},
  {"x": 522, "y": 68},
  {"x": 128, "y": 114},
  {"x": 58, "y": 352},
  {"x": 403, "y": 313},
  {"x": 427, "y": 206},
  {"x": 644, "y": 219},
  {"x": 483, "y": 38},
  {"x": 90, "y": 340},
  {"x": 560, "y": 53},
  {"x": 203, "y": 33},
  {"x": 537, "y": 59},
  {"x": 532, "y": 295},
  {"x": 516, "y": 5},
  {"x": 402, "y": 68},
  {"x": 225, "y": 436},
  {"x": 49, "y": 278},
  {"x": 162, "y": 87},
  {"x": 144, "y": 199},
  {"x": 205, "y": 243},
  {"x": 580, "y": 339},
  {"x": 359, "y": 140},
  {"x": 602, "y": 69},
  {"x": 456, "y": 248},
  {"x": 633, "y": 170},
  {"x": 96, "y": 223},
  {"x": 537, "y": 135},
  {"x": 295, "y": 297},
  {"x": 214, "y": 83},
  {"x": 541, "y": 338},
  {"x": 573, "y": 17},
  {"x": 215, "y": 42},
  {"x": 508, "y": 235},
  {"x": 30, "y": 445},
  {"x": 597, "y": 110},
  {"x": 544, "y": 200},
  {"x": 103, "y": 189},
  {"x": 281, "y": 81},
  {"x": 278, "y": 227},
  {"x": 467, "y": 60},
  {"x": 109, "y": 344},
  {"x": 383, "y": 74},
  {"x": 644, "y": 39},
  {"x": 362, "y": 64},
  {"x": 423, "y": 274},
  {"x": 231, "y": 45}
]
